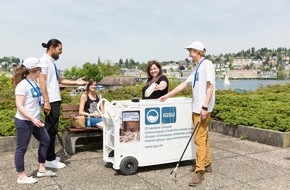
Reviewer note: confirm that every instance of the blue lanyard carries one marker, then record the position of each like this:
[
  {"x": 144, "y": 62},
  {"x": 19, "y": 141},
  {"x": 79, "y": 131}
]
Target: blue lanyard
[
  {"x": 36, "y": 90},
  {"x": 56, "y": 72},
  {"x": 195, "y": 75}
]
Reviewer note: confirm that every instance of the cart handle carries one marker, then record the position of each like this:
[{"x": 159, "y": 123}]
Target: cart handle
[
  {"x": 115, "y": 103},
  {"x": 105, "y": 102},
  {"x": 109, "y": 112}
]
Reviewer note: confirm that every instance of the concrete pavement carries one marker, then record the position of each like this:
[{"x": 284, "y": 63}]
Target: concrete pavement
[{"x": 237, "y": 164}]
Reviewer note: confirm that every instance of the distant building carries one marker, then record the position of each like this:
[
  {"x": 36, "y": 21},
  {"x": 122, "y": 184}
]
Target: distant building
[
  {"x": 133, "y": 72},
  {"x": 287, "y": 70},
  {"x": 170, "y": 67},
  {"x": 173, "y": 75},
  {"x": 241, "y": 61},
  {"x": 267, "y": 74},
  {"x": 117, "y": 81},
  {"x": 186, "y": 73},
  {"x": 243, "y": 74}
]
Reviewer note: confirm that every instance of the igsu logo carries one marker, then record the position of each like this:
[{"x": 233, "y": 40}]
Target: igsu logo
[
  {"x": 168, "y": 114},
  {"x": 153, "y": 116}
]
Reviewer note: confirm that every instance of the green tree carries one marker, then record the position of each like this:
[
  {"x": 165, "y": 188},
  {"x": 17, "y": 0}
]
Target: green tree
[
  {"x": 281, "y": 74},
  {"x": 121, "y": 62},
  {"x": 92, "y": 71},
  {"x": 74, "y": 73}
]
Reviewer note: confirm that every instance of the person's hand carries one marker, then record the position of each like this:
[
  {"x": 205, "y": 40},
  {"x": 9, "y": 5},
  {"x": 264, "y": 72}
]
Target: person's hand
[
  {"x": 46, "y": 108},
  {"x": 95, "y": 114},
  {"x": 37, "y": 122},
  {"x": 80, "y": 81},
  {"x": 204, "y": 114},
  {"x": 162, "y": 98}
]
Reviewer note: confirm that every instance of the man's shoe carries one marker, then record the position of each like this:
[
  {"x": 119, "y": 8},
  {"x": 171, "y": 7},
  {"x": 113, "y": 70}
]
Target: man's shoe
[
  {"x": 208, "y": 168},
  {"x": 28, "y": 180},
  {"x": 54, "y": 164},
  {"x": 196, "y": 179},
  {"x": 48, "y": 173}
]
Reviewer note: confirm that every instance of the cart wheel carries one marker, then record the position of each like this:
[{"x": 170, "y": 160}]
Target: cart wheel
[{"x": 129, "y": 165}]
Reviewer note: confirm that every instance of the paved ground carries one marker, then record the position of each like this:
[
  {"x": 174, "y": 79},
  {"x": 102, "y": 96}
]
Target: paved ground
[{"x": 237, "y": 164}]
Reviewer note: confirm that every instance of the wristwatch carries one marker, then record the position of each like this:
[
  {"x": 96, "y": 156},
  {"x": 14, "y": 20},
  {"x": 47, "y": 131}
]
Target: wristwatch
[{"x": 204, "y": 108}]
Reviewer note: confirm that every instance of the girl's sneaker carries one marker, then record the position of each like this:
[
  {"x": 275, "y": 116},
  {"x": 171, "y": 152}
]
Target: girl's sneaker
[{"x": 28, "y": 180}]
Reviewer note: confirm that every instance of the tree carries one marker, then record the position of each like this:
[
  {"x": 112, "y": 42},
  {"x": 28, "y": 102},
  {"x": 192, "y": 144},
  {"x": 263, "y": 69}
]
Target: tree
[
  {"x": 121, "y": 62},
  {"x": 92, "y": 72},
  {"x": 74, "y": 73},
  {"x": 107, "y": 69}
]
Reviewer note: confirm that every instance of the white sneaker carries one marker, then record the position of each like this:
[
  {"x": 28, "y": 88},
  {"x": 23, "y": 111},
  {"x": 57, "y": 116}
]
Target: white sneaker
[
  {"x": 54, "y": 164},
  {"x": 29, "y": 180},
  {"x": 48, "y": 173}
]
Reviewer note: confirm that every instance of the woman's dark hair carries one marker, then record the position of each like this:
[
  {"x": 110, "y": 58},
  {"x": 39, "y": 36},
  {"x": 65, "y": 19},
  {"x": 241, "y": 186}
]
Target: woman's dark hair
[
  {"x": 150, "y": 63},
  {"x": 91, "y": 81},
  {"x": 53, "y": 42}
]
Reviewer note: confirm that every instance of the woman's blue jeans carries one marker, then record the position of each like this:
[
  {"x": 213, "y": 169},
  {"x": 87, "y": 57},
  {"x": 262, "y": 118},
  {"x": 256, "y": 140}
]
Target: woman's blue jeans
[{"x": 95, "y": 120}]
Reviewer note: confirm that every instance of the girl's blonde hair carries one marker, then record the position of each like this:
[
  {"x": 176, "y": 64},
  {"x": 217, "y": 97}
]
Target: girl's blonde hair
[{"x": 20, "y": 73}]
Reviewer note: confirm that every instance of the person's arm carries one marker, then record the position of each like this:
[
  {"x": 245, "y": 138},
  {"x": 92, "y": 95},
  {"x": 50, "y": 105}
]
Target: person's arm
[
  {"x": 102, "y": 105},
  {"x": 20, "y": 99},
  {"x": 209, "y": 93},
  {"x": 176, "y": 90},
  {"x": 80, "y": 81},
  {"x": 43, "y": 88},
  {"x": 82, "y": 105},
  {"x": 161, "y": 86}
]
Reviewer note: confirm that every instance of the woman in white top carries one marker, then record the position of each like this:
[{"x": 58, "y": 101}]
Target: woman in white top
[{"x": 27, "y": 119}]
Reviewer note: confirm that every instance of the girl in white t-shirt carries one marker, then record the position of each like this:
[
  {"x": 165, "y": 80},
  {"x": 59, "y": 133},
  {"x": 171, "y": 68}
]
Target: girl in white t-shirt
[{"x": 27, "y": 119}]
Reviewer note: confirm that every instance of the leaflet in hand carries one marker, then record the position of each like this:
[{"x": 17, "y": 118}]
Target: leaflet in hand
[{"x": 150, "y": 89}]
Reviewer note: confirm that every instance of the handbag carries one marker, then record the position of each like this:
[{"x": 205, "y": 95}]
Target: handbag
[{"x": 78, "y": 121}]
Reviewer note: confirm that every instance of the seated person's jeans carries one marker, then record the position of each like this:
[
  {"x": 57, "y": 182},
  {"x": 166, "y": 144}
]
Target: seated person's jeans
[{"x": 95, "y": 120}]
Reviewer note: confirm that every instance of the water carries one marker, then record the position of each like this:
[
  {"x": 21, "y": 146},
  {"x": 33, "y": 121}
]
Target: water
[{"x": 247, "y": 84}]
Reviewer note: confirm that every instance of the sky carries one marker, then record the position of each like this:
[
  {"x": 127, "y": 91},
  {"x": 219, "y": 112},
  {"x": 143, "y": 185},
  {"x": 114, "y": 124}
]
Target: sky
[{"x": 140, "y": 30}]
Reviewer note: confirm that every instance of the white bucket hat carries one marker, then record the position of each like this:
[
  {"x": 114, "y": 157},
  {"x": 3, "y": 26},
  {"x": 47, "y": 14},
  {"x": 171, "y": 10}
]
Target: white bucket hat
[
  {"x": 33, "y": 62},
  {"x": 196, "y": 45}
]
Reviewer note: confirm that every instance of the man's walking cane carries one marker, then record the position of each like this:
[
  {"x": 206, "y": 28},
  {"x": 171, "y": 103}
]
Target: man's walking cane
[
  {"x": 59, "y": 138},
  {"x": 175, "y": 169}
]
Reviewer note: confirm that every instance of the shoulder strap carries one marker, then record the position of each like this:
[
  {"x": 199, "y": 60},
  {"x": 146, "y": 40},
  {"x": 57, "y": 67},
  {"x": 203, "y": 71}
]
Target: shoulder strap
[{"x": 154, "y": 80}]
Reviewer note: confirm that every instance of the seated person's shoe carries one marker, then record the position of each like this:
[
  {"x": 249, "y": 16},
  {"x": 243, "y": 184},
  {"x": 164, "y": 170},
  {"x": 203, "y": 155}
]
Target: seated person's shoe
[
  {"x": 197, "y": 179},
  {"x": 54, "y": 164},
  {"x": 28, "y": 180}
]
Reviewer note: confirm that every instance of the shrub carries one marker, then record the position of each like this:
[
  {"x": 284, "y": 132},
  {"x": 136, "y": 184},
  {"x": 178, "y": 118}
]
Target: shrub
[{"x": 267, "y": 107}]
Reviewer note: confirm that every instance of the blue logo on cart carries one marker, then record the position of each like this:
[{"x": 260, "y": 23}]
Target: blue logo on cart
[
  {"x": 168, "y": 114},
  {"x": 152, "y": 116}
]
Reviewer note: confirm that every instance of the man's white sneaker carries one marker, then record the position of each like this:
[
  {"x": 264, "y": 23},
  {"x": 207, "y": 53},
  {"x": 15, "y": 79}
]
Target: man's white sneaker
[
  {"x": 54, "y": 164},
  {"x": 29, "y": 180},
  {"x": 48, "y": 173}
]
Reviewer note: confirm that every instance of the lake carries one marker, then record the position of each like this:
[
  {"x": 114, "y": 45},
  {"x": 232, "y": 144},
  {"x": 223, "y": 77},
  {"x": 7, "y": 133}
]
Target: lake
[{"x": 247, "y": 84}]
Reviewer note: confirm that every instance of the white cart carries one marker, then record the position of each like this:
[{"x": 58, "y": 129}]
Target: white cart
[{"x": 146, "y": 133}]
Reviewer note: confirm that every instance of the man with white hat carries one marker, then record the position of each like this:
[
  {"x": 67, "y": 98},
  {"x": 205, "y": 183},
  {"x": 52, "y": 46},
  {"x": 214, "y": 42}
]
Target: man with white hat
[{"x": 202, "y": 81}]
